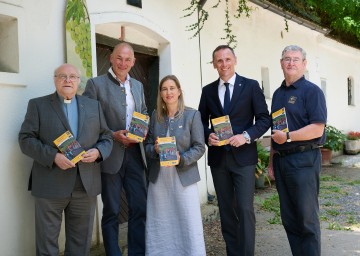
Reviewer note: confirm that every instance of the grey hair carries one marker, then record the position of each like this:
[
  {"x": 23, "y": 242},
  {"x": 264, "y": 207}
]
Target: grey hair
[
  {"x": 293, "y": 48},
  {"x": 67, "y": 64}
]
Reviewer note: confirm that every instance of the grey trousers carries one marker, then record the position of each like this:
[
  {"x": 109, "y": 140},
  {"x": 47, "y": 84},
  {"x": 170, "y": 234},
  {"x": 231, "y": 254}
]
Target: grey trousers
[{"x": 79, "y": 210}]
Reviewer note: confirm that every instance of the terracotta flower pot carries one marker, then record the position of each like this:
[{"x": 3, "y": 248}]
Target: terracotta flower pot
[{"x": 326, "y": 156}]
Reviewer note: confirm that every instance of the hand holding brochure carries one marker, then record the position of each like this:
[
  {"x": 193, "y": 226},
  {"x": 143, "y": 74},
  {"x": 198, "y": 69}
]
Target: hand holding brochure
[
  {"x": 138, "y": 126},
  {"x": 223, "y": 129},
  {"x": 168, "y": 151},
  {"x": 70, "y": 147},
  {"x": 279, "y": 120}
]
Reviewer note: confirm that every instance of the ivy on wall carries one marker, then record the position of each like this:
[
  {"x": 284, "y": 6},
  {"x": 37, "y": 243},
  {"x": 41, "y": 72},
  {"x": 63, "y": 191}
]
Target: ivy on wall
[
  {"x": 196, "y": 6},
  {"x": 341, "y": 17}
]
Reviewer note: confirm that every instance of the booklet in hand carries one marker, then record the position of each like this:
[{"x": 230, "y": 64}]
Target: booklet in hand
[
  {"x": 279, "y": 120},
  {"x": 222, "y": 129},
  {"x": 70, "y": 147},
  {"x": 139, "y": 126},
  {"x": 168, "y": 151}
]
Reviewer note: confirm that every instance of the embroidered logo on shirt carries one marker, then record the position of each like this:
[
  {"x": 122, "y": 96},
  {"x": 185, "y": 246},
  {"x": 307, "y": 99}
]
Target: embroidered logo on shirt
[{"x": 292, "y": 99}]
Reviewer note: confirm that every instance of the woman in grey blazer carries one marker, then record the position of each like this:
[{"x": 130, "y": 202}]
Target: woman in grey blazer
[{"x": 173, "y": 223}]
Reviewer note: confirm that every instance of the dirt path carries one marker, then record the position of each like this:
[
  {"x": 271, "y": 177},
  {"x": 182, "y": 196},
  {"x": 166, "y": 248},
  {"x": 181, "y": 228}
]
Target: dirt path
[{"x": 271, "y": 239}]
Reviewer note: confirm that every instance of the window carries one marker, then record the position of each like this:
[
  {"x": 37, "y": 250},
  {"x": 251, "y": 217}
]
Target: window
[
  {"x": 350, "y": 91},
  {"x": 265, "y": 82},
  {"x": 9, "y": 47}
]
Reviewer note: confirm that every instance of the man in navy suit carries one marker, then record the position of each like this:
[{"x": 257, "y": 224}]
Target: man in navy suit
[{"x": 233, "y": 166}]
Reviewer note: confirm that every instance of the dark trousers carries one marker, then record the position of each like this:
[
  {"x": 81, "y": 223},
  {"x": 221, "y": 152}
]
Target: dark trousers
[
  {"x": 297, "y": 182},
  {"x": 132, "y": 177},
  {"x": 235, "y": 187}
]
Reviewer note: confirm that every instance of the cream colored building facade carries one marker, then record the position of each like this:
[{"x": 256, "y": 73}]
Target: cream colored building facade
[{"x": 32, "y": 44}]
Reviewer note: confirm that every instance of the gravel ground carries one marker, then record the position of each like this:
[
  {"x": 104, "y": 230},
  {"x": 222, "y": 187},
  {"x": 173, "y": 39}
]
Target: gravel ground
[
  {"x": 339, "y": 209},
  {"x": 339, "y": 212}
]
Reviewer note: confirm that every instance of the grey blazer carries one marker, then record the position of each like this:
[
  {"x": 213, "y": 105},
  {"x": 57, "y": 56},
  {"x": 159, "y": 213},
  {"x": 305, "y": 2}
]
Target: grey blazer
[
  {"x": 189, "y": 134},
  {"x": 112, "y": 98},
  {"x": 44, "y": 121}
]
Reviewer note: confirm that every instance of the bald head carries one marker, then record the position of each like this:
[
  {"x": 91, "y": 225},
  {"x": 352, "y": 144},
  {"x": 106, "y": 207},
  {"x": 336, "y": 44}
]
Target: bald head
[{"x": 67, "y": 80}]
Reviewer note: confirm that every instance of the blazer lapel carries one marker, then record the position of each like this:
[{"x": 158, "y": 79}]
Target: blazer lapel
[
  {"x": 59, "y": 111},
  {"x": 81, "y": 114},
  {"x": 215, "y": 95},
  {"x": 238, "y": 88},
  {"x": 136, "y": 95}
]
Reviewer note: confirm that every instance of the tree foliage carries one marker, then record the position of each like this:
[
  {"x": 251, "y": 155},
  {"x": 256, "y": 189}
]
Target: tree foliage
[{"x": 341, "y": 17}]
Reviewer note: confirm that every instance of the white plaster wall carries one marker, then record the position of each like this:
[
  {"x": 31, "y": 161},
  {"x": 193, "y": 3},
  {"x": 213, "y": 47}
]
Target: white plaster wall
[
  {"x": 41, "y": 49},
  {"x": 157, "y": 24},
  {"x": 261, "y": 39}
]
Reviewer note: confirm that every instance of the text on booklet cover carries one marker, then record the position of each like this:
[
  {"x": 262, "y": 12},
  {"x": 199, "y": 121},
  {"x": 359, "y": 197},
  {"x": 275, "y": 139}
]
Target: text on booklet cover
[
  {"x": 168, "y": 151},
  {"x": 222, "y": 129},
  {"x": 70, "y": 147},
  {"x": 279, "y": 120},
  {"x": 138, "y": 126}
]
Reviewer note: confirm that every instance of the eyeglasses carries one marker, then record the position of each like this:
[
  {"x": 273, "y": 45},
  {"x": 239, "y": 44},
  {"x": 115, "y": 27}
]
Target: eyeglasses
[
  {"x": 288, "y": 60},
  {"x": 63, "y": 77}
]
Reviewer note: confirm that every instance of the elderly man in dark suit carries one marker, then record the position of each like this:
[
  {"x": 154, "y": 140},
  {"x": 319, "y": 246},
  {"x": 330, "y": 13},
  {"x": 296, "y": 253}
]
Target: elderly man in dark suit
[
  {"x": 120, "y": 95},
  {"x": 233, "y": 165},
  {"x": 58, "y": 184}
]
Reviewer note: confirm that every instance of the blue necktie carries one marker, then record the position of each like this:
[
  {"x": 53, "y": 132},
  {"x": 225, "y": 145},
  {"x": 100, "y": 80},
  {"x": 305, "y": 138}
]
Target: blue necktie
[
  {"x": 226, "y": 98},
  {"x": 227, "y": 106}
]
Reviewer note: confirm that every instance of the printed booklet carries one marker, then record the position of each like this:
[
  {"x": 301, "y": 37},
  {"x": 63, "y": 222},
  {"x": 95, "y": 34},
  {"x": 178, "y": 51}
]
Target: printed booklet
[
  {"x": 222, "y": 129},
  {"x": 139, "y": 126},
  {"x": 168, "y": 151},
  {"x": 70, "y": 147},
  {"x": 279, "y": 120}
]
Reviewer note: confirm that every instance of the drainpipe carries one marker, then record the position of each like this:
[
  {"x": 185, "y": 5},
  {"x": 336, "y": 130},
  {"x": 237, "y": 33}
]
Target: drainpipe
[{"x": 210, "y": 197}]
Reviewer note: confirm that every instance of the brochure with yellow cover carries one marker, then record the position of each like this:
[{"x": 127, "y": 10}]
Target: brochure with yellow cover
[
  {"x": 70, "y": 147},
  {"x": 139, "y": 126},
  {"x": 168, "y": 151},
  {"x": 279, "y": 120},
  {"x": 222, "y": 129}
]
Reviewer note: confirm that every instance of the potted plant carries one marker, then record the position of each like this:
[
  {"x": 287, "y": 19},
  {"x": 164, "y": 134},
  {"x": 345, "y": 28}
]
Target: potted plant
[
  {"x": 261, "y": 173},
  {"x": 352, "y": 143},
  {"x": 334, "y": 142}
]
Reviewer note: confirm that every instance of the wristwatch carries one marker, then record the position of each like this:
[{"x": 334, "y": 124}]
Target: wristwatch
[
  {"x": 288, "y": 139},
  {"x": 247, "y": 137}
]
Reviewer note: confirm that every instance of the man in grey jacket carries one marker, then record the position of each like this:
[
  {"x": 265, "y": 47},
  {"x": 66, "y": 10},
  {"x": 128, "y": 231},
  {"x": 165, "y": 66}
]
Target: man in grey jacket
[
  {"x": 120, "y": 95},
  {"x": 58, "y": 184}
]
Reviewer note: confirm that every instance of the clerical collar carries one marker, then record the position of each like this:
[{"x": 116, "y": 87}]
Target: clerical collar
[{"x": 66, "y": 101}]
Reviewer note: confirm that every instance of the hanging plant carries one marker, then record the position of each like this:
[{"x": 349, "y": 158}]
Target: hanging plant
[{"x": 196, "y": 6}]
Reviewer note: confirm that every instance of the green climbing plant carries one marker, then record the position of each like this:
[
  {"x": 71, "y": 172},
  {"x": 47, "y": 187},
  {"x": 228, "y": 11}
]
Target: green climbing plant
[
  {"x": 196, "y": 7},
  {"x": 340, "y": 17}
]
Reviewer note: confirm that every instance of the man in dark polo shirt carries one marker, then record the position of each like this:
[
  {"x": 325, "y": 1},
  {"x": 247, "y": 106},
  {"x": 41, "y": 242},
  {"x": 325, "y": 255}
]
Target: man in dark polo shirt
[{"x": 295, "y": 160}]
